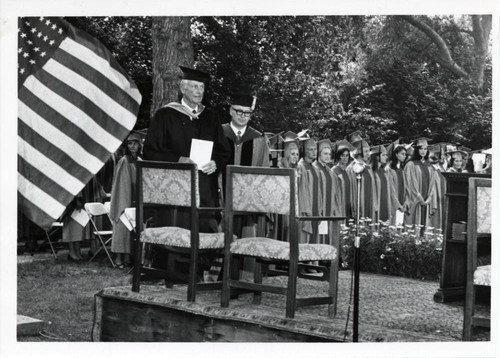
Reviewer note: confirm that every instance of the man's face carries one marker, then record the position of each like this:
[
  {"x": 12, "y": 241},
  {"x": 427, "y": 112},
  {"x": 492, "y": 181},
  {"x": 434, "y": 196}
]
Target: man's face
[
  {"x": 311, "y": 152},
  {"x": 192, "y": 92},
  {"x": 240, "y": 115},
  {"x": 293, "y": 156},
  {"x": 325, "y": 156}
]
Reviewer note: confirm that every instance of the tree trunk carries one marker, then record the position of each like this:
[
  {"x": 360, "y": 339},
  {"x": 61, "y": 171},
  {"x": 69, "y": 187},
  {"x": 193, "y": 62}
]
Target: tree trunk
[
  {"x": 172, "y": 46},
  {"x": 481, "y": 28}
]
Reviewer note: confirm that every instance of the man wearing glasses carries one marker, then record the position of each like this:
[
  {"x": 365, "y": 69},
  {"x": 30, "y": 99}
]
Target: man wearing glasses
[{"x": 249, "y": 147}]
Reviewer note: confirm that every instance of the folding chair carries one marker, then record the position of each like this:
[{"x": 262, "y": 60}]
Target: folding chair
[
  {"x": 95, "y": 210},
  {"x": 173, "y": 185},
  {"x": 48, "y": 233},
  {"x": 270, "y": 190},
  {"x": 478, "y": 234}
]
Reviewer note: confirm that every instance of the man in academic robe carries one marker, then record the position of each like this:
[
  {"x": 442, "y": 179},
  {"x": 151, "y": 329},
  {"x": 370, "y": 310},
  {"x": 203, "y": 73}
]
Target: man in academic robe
[
  {"x": 171, "y": 132},
  {"x": 310, "y": 200},
  {"x": 248, "y": 147},
  {"x": 369, "y": 195}
]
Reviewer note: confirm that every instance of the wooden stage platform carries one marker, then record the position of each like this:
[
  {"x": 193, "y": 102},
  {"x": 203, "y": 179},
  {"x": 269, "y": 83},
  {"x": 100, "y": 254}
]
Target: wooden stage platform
[{"x": 157, "y": 314}]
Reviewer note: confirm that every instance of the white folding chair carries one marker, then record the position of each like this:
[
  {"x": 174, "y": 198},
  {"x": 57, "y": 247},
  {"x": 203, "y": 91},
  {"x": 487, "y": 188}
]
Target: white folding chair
[
  {"x": 95, "y": 210},
  {"x": 48, "y": 233}
]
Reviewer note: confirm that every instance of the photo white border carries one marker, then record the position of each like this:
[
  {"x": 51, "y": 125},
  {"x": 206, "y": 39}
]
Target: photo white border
[{"x": 11, "y": 9}]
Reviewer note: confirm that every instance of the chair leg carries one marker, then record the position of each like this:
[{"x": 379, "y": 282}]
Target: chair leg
[
  {"x": 51, "y": 246},
  {"x": 257, "y": 295},
  {"x": 291, "y": 294},
  {"x": 193, "y": 276},
  {"x": 470, "y": 295},
  {"x": 226, "y": 275},
  {"x": 136, "y": 277},
  {"x": 333, "y": 281},
  {"x": 171, "y": 257}
]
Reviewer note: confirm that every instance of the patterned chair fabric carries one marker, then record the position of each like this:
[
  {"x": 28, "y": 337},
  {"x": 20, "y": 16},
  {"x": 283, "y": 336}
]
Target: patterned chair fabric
[
  {"x": 275, "y": 249},
  {"x": 168, "y": 186},
  {"x": 482, "y": 275},
  {"x": 179, "y": 237}
]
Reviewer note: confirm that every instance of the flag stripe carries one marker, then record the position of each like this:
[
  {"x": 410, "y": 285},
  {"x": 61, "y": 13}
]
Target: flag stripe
[
  {"x": 49, "y": 168},
  {"x": 76, "y": 65},
  {"x": 91, "y": 91},
  {"x": 73, "y": 131},
  {"x": 34, "y": 213},
  {"x": 100, "y": 64},
  {"x": 72, "y": 113},
  {"x": 59, "y": 138},
  {"x": 48, "y": 185},
  {"x": 39, "y": 197},
  {"x": 48, "y": 149}
]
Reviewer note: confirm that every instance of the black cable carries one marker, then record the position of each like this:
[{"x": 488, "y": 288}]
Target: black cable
[{"x": 350, "y": 301}]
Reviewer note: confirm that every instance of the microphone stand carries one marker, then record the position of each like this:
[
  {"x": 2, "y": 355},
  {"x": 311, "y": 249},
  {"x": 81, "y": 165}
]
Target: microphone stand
[{"x": 358, "y": 169}]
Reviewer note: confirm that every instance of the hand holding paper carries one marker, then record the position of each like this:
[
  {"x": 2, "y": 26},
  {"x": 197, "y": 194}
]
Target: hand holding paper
[{"x": 201, "y": 154}]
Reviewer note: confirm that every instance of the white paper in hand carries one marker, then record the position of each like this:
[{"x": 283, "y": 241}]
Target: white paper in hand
[
  {"x": 81, "y": 217},
  {"x": 128, "y": 218},
  {"x": 201, "y": 152},
  {"x": 400, "y": 216},
  {"x": 323, "y": 228}
]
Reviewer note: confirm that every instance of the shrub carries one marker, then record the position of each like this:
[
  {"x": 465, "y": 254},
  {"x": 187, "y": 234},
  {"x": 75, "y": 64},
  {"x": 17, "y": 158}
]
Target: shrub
[{"x": 394, "y": 250}]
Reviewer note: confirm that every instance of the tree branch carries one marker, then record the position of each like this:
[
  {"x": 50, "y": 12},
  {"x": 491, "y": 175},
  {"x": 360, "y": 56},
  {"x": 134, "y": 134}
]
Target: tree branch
[{"x": 445, "y": 58}]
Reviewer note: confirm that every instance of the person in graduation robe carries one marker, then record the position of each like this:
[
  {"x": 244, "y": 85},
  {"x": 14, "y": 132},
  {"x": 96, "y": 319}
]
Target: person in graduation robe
[
  {"x": 437, "y": 220},
  {"x": 387, "y": 194},
  {"x": 397, "y": 156},
  {"x": 330, "y": 191},
  {"x": 249, "y": 147},
  {"x": 342, "y": 152},
  {"x": 457, "y": 162},
  {"x": 290, "y": 152},
  {"x": 309, "y": 193},
  {"x": 369, "y": 194},
  {"x": 419, "y": 179},
  {"x": 169, "y": 138},
  {"x": 122, "y": 196}
]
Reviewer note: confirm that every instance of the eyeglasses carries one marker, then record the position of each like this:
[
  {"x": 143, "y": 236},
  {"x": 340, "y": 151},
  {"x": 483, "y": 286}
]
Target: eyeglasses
[{"x": 242, "y": 113}]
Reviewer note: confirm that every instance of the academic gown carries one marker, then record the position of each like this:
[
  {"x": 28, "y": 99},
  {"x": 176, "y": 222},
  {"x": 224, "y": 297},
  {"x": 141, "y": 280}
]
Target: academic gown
[
  {"x": 330, "y": 187},
  {"x": 345, "y": 191},
  {"x": 169, "y": 137},
  {"x": 437, "y": 220},
  {"x": 122, "y": 196},
  {"x": 369, "y": 194},
  {"x": 251, "y": 150},
  {"x": 310, "y": 199},
  {"x": 396, "y": 178},
  {"x": 387, "y": 194},
  {"x": 419, "y": 179}
]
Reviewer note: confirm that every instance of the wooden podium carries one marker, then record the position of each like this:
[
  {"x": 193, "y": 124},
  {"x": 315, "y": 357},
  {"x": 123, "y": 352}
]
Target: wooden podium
[{"x": 454, "y": 260}]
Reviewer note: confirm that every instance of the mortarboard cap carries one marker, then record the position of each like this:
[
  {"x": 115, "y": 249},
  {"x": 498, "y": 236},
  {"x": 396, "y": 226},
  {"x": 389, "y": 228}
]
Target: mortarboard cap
[
  {"x": 341, "y": 144},
  {"x": 245, "y": 100},
  {"x": 134, "y": 136},
  {"x": 457, "y": 154},
  {"x": 291, "y": 144},
  {"x": 289, "y": 136},
  {"x": 358, "y": 147},
  {"x": 194, "y": 75},
  {"x": 303, "y": 134},
  {"x": 391, "y": 147},
  {"x": 355, "y": 136},
  {"x": 324, "y": 143},
  {"x": 378, "y": 149},
  {"x": 421, "y": 142}
]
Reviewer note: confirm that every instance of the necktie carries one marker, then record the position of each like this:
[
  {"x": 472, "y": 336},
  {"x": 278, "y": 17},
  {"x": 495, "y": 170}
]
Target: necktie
[{"x": 239, "y": 136}]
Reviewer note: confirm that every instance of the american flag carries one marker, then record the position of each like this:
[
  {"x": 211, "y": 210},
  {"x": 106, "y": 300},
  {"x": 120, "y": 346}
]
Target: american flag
[{"x": 76, "y": 106}]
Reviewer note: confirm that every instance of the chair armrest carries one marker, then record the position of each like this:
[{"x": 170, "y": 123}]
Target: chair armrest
[
  {"x": 320, "y": 218},
  {"x": 207, "y": 208}
]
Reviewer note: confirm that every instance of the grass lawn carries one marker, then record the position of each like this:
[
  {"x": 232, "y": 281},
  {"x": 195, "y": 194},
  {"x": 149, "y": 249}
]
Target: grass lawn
[{"x": 61, "y": 293}]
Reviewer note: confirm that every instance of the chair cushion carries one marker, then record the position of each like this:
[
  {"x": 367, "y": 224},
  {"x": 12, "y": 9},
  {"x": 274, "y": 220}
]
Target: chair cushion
[
  {"x": 482, "y": 275},
  {"x": 275, "y": 249},
  {"x": 180, "y": 237}
]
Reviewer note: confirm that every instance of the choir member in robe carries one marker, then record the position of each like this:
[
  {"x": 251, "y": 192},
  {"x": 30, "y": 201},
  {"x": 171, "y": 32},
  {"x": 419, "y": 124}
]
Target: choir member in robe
[
  {"x": 310, "y": 200},
  {"x": 419, "y": 179},
  {"x": 369, "y": 195},
  {"x": 456, "y": 162},
  {"x": 387, "y": 194},
  {"x": 330, "y": 188},
  {"x": 437, "y": 220},
  {"x": 342, "y": 153},
  {"x": 396, "y": 153}
]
